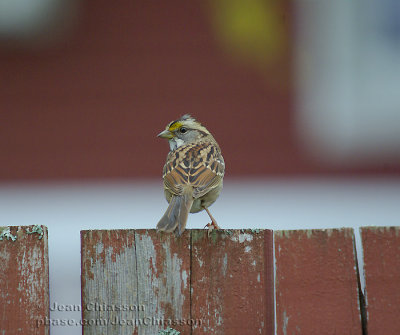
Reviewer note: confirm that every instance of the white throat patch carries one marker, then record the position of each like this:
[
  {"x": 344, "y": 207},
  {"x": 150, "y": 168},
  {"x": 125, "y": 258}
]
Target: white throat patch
[{"x": 175, "y": 143}]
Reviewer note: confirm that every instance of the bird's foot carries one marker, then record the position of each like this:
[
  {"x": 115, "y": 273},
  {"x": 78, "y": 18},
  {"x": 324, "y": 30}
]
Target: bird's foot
[{"x": 211, "y": 226}]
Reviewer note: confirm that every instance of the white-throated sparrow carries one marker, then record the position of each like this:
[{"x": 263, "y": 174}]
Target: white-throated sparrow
[{"x": 193, "y": 173}]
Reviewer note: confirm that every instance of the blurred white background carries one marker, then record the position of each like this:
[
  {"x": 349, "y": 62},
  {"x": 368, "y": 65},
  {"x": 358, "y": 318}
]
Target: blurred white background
[{"x": 347, "y": 57}]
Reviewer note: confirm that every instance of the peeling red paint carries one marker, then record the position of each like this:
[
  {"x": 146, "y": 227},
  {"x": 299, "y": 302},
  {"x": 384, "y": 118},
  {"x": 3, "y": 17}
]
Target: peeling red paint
[
  {"x": 381, "y": 247},
  {"x": 165, "y": 244},
  {"x": 229, "y": 272},
  {"x": 232, "y": 282},
  {"x": 316, "y": 282},
  {"x": 156, "y": 263},
  {"x": 24, "y": 283}
]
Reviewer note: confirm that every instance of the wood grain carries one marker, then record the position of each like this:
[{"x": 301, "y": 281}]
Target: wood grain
[
  {"x": 24, "y": 281},
  {"x": 195, "y": 284},
  {"x": 232, "y": 282},
  {"x": 316, "y": 282},
  {"x": 163, "y": 280},
  {"x": 109, "y": 282},
  {"x": 146, "y": 271},
  {"x": 381, "y": 247}
]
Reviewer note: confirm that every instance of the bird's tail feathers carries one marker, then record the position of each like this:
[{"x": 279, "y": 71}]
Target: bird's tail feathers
[{"x": 176, "y": 214}]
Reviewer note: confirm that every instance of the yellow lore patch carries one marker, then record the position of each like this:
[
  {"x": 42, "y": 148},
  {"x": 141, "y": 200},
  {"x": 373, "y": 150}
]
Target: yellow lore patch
[{"x": 174, "y": 126}]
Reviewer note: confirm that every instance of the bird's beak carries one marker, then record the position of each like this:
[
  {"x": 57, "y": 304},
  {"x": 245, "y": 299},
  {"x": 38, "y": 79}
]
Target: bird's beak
[{"x": 166, "y": 134}]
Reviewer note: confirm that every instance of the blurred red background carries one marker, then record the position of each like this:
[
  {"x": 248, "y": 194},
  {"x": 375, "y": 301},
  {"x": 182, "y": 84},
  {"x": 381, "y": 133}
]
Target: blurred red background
[{"x": 90, "y": 105}]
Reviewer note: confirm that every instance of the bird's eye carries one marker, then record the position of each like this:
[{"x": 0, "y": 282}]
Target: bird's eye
[{"x": 183, "y": 130}]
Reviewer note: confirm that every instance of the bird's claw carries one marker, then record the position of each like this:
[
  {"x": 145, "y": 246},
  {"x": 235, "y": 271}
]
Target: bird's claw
[{"x": 211, "y": 226}]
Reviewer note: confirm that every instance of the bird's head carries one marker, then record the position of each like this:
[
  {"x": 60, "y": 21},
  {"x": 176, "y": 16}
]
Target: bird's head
[{"x": 182, "y": 131}]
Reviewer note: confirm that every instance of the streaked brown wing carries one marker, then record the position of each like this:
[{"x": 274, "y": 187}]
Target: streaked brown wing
[
  {"x": 207, "y": 181},
  {"x": 174, "y": 180},
  {"x": 198, "y": 165}
]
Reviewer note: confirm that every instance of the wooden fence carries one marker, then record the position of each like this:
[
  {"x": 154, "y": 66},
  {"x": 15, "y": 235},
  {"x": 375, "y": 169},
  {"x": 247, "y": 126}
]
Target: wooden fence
[
  {"x": 227, "y": 282},
  {"x": 24, "y": 280}
]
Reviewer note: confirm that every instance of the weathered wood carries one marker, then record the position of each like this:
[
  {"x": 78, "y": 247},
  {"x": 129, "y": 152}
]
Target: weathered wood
[
  {"x": 232, "y": 282},
  {"x": 199, "y": 284},
  {"x": 24, "y": 280},
  {"x": 109, "y": 281},
  {"x": 143, "y": 270},
  {"x": 316, "y": 282},
  {"x": 381, "y": 247},
  {"x": 163, "y": 280}
]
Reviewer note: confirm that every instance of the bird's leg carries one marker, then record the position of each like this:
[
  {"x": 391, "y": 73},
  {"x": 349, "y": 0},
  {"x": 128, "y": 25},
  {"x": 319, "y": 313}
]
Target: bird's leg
[{"x": 213, "y": 225}]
